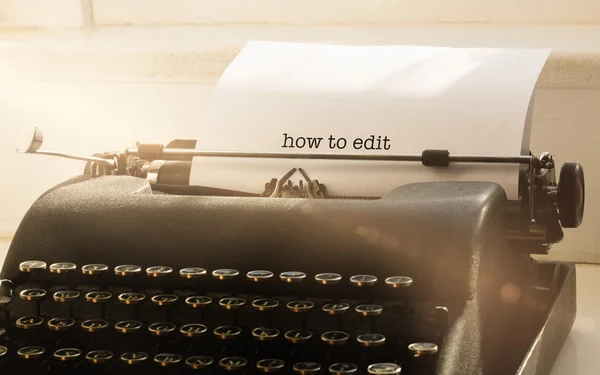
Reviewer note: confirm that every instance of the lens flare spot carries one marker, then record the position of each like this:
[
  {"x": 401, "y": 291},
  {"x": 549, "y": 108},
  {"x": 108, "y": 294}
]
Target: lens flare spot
[{"x": 510, "y": 293}]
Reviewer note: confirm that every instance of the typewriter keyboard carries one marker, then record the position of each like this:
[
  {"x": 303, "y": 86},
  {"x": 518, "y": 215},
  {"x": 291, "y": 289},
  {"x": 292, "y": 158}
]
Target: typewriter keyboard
[{"x": 63, "y": 318}]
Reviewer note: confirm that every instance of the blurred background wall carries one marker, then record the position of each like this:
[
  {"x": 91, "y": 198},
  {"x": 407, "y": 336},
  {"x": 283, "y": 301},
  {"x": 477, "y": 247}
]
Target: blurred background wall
[{"x": 97, "y": 75}]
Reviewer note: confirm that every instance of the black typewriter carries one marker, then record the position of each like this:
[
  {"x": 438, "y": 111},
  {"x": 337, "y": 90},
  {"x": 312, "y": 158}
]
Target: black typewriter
[{"x": 127, "y": 269}]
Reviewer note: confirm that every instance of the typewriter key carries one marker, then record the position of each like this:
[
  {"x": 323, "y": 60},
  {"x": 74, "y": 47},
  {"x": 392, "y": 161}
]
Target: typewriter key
[
  {"x": 227, "y": 332},
  {"x": 31, "y": 352},
  {"x": 292, "y": 276},
  {"x": 384, "y": 369},
  {"x": 63, "y": 267},
  {"x": 32, "y": 294},
  {"x": 134, "y": 358},
  {"x": 66, "y": 296},
  {"x": 4, "y": 301},
  {"x": 297, "y": 336},
  {"x": 193, "y": 330},
  {"x": 371, "y": 339},
  {"x": 131, "y": 298},
  {"x": 192, "y": 272},
  {"x": 259, "y": 276},
  {"x": 423, "y": 348},
  {"x": 158, "y": 271},
  {"x": 29, "y": 322},
  {"x": 164, "y": 299},
  {"x": 265, "y": 334},
  {"x": 369, "y": 310},
  {"x": 67, "y": 354},
  {"x": 94, "y": 325},
  {"x": 300, "y": 306},
  {"x": 32, "y": 266},
  {"x": 233, "y": 363},
  {"x": 197, "y": 302},
  {"x": 99, "y": 356},
  {"x": 306, "y": 368},
  {"x": 98, "y": 296},
  {"x": 127, "y": 270},
  {"x": 60, "y": 324},
  {"x": 265, "y": 304},
  {"x": 199, "y": 362},
  {"x": 363, "y": 280},
  {"x": 3, "y": 350},
  {"x": 336, "y": 308},
  {"x": 225, "y": 274},
  {"x": 128, "y": 326},
  {"x": 398, "y": 281},
  {"x": 335, "y": 337},
  {"x": 167, "y": 359},
  {"x": 269, "y": 365},
  {"x": 328, "y": 278},
  {"x": 232, "y": 303},
  {"x": 343, "y": 369},
  {"x": 161, "y": 329},
  {"x": 94, "y": 269}
]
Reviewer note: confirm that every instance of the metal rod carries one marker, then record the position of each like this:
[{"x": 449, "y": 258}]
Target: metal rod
[{"x": 107, "y": 162}]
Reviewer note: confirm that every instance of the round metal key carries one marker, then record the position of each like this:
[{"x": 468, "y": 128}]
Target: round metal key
[
  {"x": 98, "y": 296},
  {"x": 99, "y": 356},
  {"x": 94, "y": 325},
  {"x": 3, "y": 350},
  {"x": 233, "y": 363},
  {"x": 306, "y": 368},
  {"x": 127, "y": 270},
  {"x": 300, "y": 306},
  {"x": 225, "y": 273},
  {"x": 297, "y": 336},
  {"x": 199, "y": 362},
  {"x": 31, "y": 352},
  {"x": 265, "y": 304},
  {"x": 128, "y": 326},
  {"x": 167, "y": 359},
  {"x": 335, "y": 337},
  {"x": 192, "y": 272},
  {"x": 398, "y": 281},
  {"x": 193, "y": 330},
  {"x": 66, "y": 296},
  {"x": 32, "y": 294},
  {"x": 32, "y": 266},
  {"x": 94, "y": 269},
  {"x": 265, "y": 334},
  {"x": 232, "y": 303},
  {"x": 227, "y": 332},
  {"x": 164, "y": 299},
  {"x": 134, "y": 358},
  {"x": 369, "y": 310},
  {"x": 363, "y": 280},
  {"x": 29, "y": 322},
  {"x": 161, "y": 329},
  {"x": 5, "y": 301},
  {"x": 328, "y": 278},
  {"x": 158, "y": 271},
  {"x": 67, "y": 354},
  {"x": 292, "y": 276},
  {"x": 371, "y": 339},
  {"x": 270, "y": 365},
  {"x": 423, "y": 348},
  {"x": 384, "y": 369},
  {"x": 197, "y": 302},
  {"x": 60, "y": 324},
  {"x": 259, "y": 276},
  {"x": 63, "y": 267},
  {"x": 343, "y": 369},
  {"x": 131, "y": 298},
  {"x": 336, "y": 308}
]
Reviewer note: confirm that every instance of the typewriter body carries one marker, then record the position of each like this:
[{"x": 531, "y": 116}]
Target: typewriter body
[{"x": 128, "y": 269}]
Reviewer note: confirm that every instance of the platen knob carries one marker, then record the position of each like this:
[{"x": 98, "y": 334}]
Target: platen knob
[{"x": 571, "y": 195}]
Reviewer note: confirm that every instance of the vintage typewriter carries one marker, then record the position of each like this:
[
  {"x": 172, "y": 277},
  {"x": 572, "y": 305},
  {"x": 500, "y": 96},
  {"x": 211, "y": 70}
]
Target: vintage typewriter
[{"x": 129, "y": 269}]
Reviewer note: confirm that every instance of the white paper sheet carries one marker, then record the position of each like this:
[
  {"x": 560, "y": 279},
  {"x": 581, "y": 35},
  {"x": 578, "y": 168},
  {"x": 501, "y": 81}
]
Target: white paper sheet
[{"x": 468, "y": 101}]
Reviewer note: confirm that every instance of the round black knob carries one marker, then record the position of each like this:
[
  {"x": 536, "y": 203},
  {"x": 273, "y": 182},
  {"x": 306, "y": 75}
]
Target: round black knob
[{"x": 571, "y": 195}]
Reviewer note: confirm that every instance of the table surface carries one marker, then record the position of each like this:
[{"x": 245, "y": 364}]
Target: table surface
[{"x": 579, "y": 355}]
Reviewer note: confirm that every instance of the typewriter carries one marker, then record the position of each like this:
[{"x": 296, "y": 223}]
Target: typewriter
[{"x": 129, "y": 269}]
